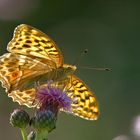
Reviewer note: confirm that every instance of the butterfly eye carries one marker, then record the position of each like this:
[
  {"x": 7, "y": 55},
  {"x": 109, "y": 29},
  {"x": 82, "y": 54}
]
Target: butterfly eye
[{"x": 69, "y": 68}]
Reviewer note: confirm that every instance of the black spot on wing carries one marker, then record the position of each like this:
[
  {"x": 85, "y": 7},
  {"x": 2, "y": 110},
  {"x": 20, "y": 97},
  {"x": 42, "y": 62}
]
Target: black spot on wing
[
  {"x": 28, "y": 41},
  {"x": 25, "y": 46}
]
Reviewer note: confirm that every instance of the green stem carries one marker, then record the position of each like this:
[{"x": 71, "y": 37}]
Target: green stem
[
  {"x": 23, "y": 133},
  {"x": 41, "y": 135}
]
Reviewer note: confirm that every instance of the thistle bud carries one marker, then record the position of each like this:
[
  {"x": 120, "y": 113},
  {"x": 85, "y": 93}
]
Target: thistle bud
[
  {"x": 19, "y": 118},
  {"x": 32, "y": 135},
  {"x": 44, "y": 120}
]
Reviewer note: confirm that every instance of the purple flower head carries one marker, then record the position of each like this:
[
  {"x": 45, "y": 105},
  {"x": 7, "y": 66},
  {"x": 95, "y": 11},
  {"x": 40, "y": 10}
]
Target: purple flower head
[{"x": 53, "y": 98}]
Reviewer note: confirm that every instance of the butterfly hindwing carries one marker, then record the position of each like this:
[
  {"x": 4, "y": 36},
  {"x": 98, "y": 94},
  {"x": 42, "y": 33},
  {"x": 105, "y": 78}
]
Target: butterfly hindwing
[
  {"x": 85, "y": 104},
  {"x": 17, "y": 70},
  {"x": 25, "y": 97}
]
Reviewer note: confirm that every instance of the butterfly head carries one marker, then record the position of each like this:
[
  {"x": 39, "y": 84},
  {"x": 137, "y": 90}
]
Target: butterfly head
[{"x": 69, "y": 69}]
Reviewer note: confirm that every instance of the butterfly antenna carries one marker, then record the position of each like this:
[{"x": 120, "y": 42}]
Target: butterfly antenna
[
  {"x": 88, "y": 68},
  {"x": 79, "y": 57},
  {"x": 98, "y": 69}
]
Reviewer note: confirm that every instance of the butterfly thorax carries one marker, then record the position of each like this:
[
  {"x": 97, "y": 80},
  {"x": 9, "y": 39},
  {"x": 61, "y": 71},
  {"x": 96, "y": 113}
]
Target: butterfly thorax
[
  {"x": 61, "y": 72},
  {"x": 67, "y": 70}
]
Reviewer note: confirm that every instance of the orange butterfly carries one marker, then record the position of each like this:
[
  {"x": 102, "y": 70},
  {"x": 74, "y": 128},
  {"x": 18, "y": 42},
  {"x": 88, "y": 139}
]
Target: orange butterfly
[{"x": 33, "y": 56}]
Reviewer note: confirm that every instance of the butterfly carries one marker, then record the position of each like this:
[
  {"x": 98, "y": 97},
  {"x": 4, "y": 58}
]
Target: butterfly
[{"x": 33, "y": 56}]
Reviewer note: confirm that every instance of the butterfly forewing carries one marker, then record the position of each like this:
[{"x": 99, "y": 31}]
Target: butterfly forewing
[
  {"x": 85, "y": 104},
  {"x": 32, "y": 42}
]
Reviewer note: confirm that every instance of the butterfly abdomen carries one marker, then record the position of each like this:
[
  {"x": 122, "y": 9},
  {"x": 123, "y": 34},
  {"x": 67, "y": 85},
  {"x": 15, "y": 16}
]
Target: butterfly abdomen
[{"x": 55, "y": 75}]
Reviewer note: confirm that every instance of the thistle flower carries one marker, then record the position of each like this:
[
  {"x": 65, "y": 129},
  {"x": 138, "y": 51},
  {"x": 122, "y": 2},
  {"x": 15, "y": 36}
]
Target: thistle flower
[
  {"x": 53, "y": 98},
  {"x": 50, "y": 100}
]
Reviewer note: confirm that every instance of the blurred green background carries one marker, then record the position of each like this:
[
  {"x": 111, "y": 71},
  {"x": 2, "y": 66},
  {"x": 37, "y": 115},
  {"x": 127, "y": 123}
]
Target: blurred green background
[{"x": 110, "y": 30}]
